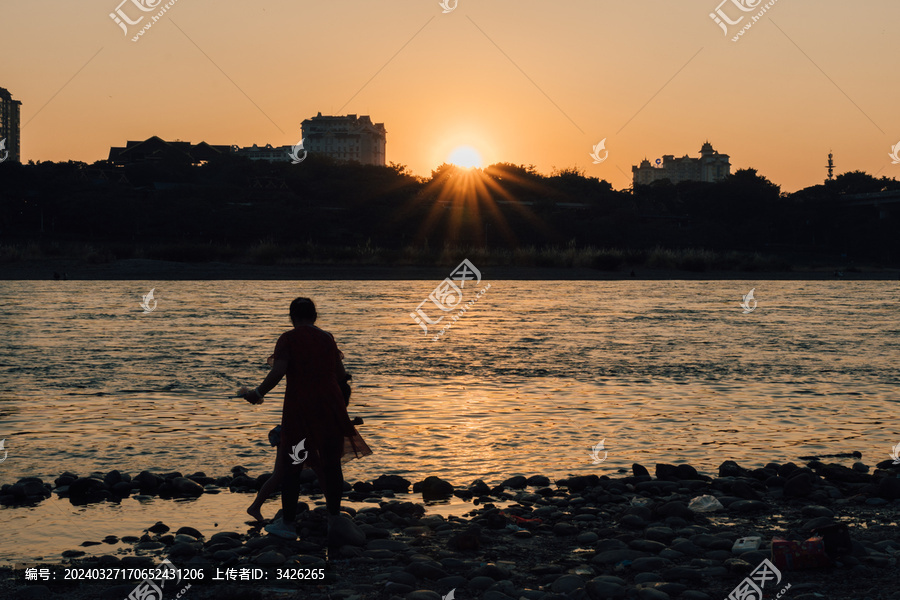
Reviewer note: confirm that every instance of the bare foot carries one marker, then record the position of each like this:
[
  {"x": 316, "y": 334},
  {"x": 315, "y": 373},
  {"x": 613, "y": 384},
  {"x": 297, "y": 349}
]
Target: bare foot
[{"x": 254, "y": 512}]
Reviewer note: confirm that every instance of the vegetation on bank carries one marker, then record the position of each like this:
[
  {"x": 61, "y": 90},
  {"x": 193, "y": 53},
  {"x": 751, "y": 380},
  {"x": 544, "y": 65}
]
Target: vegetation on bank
[
  {"x": 321, "y": 212},
  {"x": 272, "y": 253}
]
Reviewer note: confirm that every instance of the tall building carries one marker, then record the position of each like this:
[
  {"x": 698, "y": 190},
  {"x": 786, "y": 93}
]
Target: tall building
[
  {"x": 9, "y": 124},
  {"x": 710, "y": 167},
  {"x": 346, "y": 138}
]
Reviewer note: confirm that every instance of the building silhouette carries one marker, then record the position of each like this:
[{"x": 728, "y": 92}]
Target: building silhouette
[
  {"x": 9, "y": 125},
  {"x": 157, "y": 150},
  {"x": 710, "y": 167},
  {"x": 346, "y": 138},
  {"x": 268, "y": 152}
]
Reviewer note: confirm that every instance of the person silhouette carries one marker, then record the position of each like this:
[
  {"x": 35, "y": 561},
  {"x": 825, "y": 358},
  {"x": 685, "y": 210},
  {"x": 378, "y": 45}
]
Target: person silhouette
[{"x": 316, "y": 430}]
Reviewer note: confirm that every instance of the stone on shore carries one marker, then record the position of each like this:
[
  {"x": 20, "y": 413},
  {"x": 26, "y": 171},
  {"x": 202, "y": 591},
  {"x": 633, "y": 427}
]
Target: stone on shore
[
  {"x": 434, "y": 488},
  {"x": 394, "y": 483}
]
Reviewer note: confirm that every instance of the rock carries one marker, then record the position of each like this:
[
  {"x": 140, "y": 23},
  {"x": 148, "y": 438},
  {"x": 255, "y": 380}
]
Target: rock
[
  {"x": 65, "y": 479},
  {"x": 814, "y": 510},
  {"x": 183, "y": 549},
  {"x": 799, "y": 486},
  {"x": 689, "y": 548},
  {"x": 405, "y": 509},
  {"x": 35, "y": 592},
  {"x": 194, "y": 533},
  {"x": 342, "y": 531},
  {"x": 516, "y": 482},
  {"x": 587, "y": 538},
  {"x": 182, "y": 538},
  {"x": 860, "y": 467},
  {"x": 664, "y": 471},
  {"x": 660, "y": 534},
  {"x": 538, "y": 481},
  {"x": 817, "y": 523},
  {"x": 609, "y": 544},
  {"x": 748, "y": 506},
  {"x": 617, "y": 556},
  {"x": 647, "y": 546},
  {"x": 426, "y": 569},
  {"x": 639, "y": 470},
  {"x": 394, "y": 483},
  {"x": 495, "y": 572},
  {"x": 743, "y": 489},
  {"x": 396, "y": 588},
  {"x": 729, "y": 468},
  {"x": 392, "y": 545},
  {"x": 363, "y": 487},
  {"x": 434, "y": 488},
  {"x": 122, "y": 489},
  {"x": 649, "y": 563},
  {"x": 564, "y": 529},
  {"x": 87, "y": 489},
  {"x": 687, "y": 472},
  {"x": 676, "y": 509},
  {"x": 73, "y": 553},
  {"x": 841, "y": 473},
  {"x": 889, "y": 488},
  {"x": 158, "y": 527},
  {"x": 416, "y": 531},
  {"x": 423, "y": 595},
  {"x": 148, "y": 482},
  {"x": 403, "y": 577},
  {"x": 682, "y": 574},
  {"x": 598, "y": 589},
  {"x": 467, "y": 540},
  {"x": 579, "y": 483},
  {"x": 632, "y": 522},
  {"x": 738, "y": 566},
  {"x": 775, "y": 482},
  {"x": 479, "y": 488},
  {"x": 496, "y": 595},
  {"x": 567, "y": 584},
  {"x": 479, "y": 582},
  {"x": 188, "y": 487},
  {"x": 652, "y": 594}
]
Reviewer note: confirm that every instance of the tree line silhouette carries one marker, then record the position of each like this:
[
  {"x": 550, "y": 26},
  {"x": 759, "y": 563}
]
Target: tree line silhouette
[{"x": 237, "y": 202}]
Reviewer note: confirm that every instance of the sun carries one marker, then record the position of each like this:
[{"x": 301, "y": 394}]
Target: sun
[{"x": 465, "y": 156}]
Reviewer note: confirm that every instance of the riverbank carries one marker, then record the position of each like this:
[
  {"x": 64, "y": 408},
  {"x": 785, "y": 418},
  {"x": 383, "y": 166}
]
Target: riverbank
[
  {"x": 149, "y": 270},
  {"x": 583, "y": 537},
  {"x": 293, "y": 261}
]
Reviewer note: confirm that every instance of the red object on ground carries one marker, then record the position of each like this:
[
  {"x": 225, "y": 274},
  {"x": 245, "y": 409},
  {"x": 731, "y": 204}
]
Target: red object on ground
[
  {"x": 523, "y": 522},
  {"x": 791, "y": 555}
]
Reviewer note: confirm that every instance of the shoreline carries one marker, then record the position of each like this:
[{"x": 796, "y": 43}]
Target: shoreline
[
  {"x": 150, "y": 269},
  {"x": 583, "y": 537}
]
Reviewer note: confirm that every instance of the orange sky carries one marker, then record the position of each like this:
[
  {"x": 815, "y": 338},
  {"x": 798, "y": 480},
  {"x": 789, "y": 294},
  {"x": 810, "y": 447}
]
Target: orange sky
[{"x": 527, "y": 82}]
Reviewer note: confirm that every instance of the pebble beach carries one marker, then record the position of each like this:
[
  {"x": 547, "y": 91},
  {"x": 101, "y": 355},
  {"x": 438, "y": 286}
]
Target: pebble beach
[{"x": 584, "y": 537}]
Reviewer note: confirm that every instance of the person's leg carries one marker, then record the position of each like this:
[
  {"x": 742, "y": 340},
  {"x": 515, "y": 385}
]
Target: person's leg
[
  {"x": 333, "y": 484},
  {"x": 268, "y": 488},
  {"x": 290, "y": 493}
]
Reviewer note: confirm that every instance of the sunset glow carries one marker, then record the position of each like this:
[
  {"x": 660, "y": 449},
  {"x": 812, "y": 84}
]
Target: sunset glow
[{"x": 465, "y": 156}]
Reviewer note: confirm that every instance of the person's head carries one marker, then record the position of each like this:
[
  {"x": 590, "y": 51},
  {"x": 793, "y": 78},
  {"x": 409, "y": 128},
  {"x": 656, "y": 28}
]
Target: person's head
[{"x": 303, "y": 309}]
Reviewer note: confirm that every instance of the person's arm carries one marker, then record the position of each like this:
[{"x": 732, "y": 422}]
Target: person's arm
[{"x": 279, "y": 368}]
